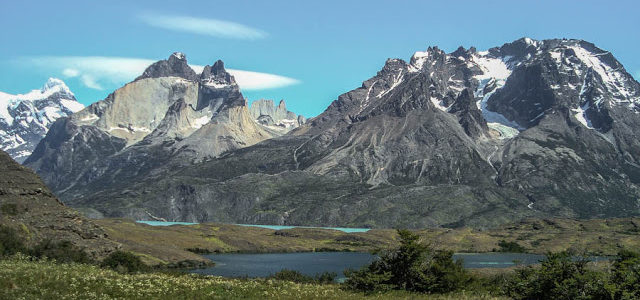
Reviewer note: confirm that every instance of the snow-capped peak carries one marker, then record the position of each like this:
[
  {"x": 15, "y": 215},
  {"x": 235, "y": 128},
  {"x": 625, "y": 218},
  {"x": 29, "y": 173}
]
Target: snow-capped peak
[
  {"x": 55, "y": 83},
  {"x": 178, "y": 55},
  {"x": 26, "y": 118},
  {"x": 418, "y": 59},
  {"x": 530, "y": 41}
]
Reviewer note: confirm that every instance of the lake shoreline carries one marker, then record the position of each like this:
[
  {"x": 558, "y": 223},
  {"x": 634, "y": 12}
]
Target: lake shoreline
[{"x": 165, "y": 245}]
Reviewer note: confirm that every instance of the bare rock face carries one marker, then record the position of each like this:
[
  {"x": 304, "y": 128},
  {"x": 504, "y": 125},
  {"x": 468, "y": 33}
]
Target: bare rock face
[
  {"x": 175, "y": 66},
  {"x": 26, "y": 118},
  {"x": 529, "y": 129},
  {"x": 28, "y": 206},
  {"x": 168, "y": 112},
  {"x": 278, "y": 118}
]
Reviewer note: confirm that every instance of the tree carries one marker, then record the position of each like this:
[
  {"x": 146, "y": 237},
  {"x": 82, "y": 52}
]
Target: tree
[
  {"x": 413, "y": 267},
  {"x": 10, "y": 242},
  {"x": 124, "y": 262},
  {"x": 626, "y": 275},
  {"x": 559, "y": 277}
]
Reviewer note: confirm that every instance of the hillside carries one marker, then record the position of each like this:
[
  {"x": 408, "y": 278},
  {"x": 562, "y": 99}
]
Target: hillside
[{"x": 28, "y": 206}]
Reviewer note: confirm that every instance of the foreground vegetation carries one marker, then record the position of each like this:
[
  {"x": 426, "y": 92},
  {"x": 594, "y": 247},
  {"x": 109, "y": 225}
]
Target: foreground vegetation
[
  {"x": 23, "y": 278},
  {"x": 418, "y": 268}
]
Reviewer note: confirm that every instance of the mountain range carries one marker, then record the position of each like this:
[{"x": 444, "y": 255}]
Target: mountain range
[
  {"x": 477, "y": 138},
  {"x": 26, "y": 118}
]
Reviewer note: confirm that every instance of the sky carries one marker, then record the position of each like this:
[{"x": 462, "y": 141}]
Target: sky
[{"x": 306, "y": 52}]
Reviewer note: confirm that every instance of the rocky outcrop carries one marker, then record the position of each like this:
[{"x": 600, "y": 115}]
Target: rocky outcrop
[
  {"x": 26, "y": 118},
  {"x": 27, "y": 205},
  {"x": 175, "y": 66},
  {"x": 275, "y": 117}
]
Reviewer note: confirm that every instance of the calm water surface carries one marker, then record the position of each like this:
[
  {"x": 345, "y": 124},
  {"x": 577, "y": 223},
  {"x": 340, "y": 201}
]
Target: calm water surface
[{"x": 312, "y": 263}]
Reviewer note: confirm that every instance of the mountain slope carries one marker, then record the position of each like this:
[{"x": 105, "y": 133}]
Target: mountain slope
[
  {"x": 168, "y": 116},
  {"x": 528, "y": 129},
  {"x": 26, "y": 118},
  {"x": 27, "y": 205}
]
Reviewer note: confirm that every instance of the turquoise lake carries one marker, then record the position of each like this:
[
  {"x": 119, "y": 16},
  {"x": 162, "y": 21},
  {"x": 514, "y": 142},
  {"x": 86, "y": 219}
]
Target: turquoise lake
[{"x": 274, "y": 227}]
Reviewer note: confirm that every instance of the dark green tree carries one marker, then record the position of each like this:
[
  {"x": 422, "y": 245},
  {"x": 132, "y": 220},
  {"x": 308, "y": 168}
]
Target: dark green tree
[
  {"x": 625, "y": 275},
  {"x": 559, "y": 277},
  {"x": 413, "y": 267},
  {"x": 124, "y": 262},
  {"x": 10, "y": 241}
]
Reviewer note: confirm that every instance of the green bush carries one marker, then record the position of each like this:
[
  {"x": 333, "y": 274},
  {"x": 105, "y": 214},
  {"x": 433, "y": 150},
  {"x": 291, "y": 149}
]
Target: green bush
[
  {"x": 63, "y": 251},
  {"x": 10, "y": 242},
  {"x": 124, "y": 262},
  {"x": 512, "y": 247},
  {"x": 411, "y": 267},
  {"x": 625, "y": 275},
  {"x": 559, "y": 277},
  {"x": 326, "y": 277},
  {"x": 10, "y": 209},
  {"x": 295, "y": 276}
]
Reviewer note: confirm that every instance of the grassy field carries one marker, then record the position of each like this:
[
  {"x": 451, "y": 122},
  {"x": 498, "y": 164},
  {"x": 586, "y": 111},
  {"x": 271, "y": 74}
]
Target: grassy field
[
  {"x": 167, "y": 245},
  {"x": 21, "y": 278}
]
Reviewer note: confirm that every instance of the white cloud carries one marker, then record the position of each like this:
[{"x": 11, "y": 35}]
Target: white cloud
[
  {"x": 248, "y": 80},
  {"x": 210, "y": 27},
  {"x": 68, "y": 72},
  {"x": 96, "y": 72},
  {"x": 90, "y": 82}
]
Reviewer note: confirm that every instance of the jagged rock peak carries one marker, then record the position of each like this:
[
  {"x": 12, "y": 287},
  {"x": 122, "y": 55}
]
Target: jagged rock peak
[
  {"x": 394, "y": 64},
  {"x": 178, "y": 55},
  {"x": 464, "y": 53},
  {"x": 418, "y": 58},
  {"x": 216, "y": 76},
  {"x": 176, "y": 65}
]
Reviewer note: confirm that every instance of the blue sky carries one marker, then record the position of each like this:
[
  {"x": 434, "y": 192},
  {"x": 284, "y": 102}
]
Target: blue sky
[{"x": 306, "y": 52}]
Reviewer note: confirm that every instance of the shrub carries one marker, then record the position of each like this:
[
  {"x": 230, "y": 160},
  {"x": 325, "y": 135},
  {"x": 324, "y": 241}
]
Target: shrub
[
  {"x": 291, "y": 275},
  {"x": 124, "y": 262},
  {"x": 559, "y": 277},
  {"x": 10, "y": 209},
  {"x": 626, "y": 275},
  {"x": 412, "y": 267},
  {"x": 10, "y": 242},
  {"x": 63, "y": 251},
  {"x": 295, "y": 276},
  {"x": 326, "y": 277},
  {"x": 512, "y": 247}
]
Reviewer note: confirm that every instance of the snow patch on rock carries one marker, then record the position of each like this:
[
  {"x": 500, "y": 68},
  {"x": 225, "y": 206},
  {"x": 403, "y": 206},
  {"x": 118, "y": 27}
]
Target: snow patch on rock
[
  {"x": 494, "y": 76},
  {"x": 614, "y": 79}
]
